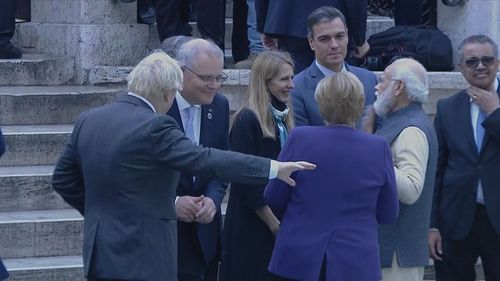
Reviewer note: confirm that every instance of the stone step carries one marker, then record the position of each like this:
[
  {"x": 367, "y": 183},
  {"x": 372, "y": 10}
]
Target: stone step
[
  {"x": 28, "y": 188},
  {"x": 41, "y": 233},
  {"x": 61, "y": 268},
  {"x": 37, "y": 69},
  {"x": 34, "y": 105},
  {"x": 34, "y": 145}
]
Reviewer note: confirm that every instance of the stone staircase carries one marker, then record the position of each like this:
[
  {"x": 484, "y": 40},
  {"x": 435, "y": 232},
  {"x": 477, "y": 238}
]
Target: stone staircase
[{"x": 76, "y": 58}]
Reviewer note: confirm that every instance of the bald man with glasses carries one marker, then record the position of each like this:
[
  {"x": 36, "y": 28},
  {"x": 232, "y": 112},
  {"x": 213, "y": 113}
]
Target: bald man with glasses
[{"x": 465, "y": 218}]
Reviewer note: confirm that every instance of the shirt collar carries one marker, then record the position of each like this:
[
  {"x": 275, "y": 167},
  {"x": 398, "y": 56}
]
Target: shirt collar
[
  {"x": 182, "y": 103},
  {"x": 326, "y": 71},
  {"x": 143, "y": 99}
]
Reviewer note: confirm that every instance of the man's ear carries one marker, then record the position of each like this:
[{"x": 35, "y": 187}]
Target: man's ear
[
  {"x": 310, "y": 40},
  {"x": 400, "y": 87}
]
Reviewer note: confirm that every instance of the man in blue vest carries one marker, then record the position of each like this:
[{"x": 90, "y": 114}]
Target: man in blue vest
[{"x": 401, "y": 91}]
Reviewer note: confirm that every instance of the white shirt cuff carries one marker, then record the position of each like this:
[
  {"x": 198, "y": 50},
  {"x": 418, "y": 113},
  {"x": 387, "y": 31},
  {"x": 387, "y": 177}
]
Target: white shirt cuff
[{"x": 273, "y": 170}]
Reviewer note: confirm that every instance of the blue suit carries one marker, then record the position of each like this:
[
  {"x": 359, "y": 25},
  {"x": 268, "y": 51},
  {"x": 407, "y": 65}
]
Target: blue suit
[
  {"x": 195, "y": 238},
  {"x": 305, "y": 108},
  {"x": 333, "y": 212}
]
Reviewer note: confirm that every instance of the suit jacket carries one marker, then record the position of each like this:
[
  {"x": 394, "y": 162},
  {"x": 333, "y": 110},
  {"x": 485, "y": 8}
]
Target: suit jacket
[
  {"x": 335, "y": 209},
  {"x": 120, "y": 170},
  {"x": 460, "y": 167},
  {"x": 289, "y": 17},
  {"x": 214, "y": 132},
  {"x": 305, "y": 108}
]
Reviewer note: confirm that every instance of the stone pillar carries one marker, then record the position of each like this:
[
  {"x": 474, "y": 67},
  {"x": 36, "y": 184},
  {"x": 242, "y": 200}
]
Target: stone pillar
[
  {"x": 93, "y": 32},
  {"x": 473, "y": 17}
]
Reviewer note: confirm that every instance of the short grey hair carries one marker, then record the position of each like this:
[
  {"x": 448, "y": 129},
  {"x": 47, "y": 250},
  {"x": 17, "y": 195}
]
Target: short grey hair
[
  {"x": 172, "y": 44},
  {"x": 155, "y": 75},
  {"x": 323, "y": 14},
  {"x": 189, "y": 52},
  {"x": 414, "y": 76},
  {"x": 476, "y": 39}
]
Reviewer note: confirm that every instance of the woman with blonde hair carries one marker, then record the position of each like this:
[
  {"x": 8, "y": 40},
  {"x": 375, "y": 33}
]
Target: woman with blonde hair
[
  {"x": 260, "y": 128},
  {"x": 330, "y": 218}
]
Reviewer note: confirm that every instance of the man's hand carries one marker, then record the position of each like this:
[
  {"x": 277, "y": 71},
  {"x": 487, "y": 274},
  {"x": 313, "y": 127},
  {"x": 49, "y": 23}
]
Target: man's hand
[
  {"x": 187, "y": 207},
  {"x": 207, "y": 211},
  {"x": 269, "y": 42},
  {"x": 285, "y": 169},
  {"x": 368, "y": 121},
  {"x": 487, "y": 100},
  {"x": 361, "y": 51},
  {"x": 435, "y": 244}
]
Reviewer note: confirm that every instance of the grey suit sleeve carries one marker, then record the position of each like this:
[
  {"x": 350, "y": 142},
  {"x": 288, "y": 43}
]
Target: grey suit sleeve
[
  {"x": 175, "y": 150},
  {"x": 67, "y": 179}
]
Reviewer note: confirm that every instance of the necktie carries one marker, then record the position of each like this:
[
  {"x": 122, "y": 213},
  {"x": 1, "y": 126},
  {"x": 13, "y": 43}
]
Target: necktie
[
  {"x": 189, "y": 127},
  {"x": 479, "y": 129}
]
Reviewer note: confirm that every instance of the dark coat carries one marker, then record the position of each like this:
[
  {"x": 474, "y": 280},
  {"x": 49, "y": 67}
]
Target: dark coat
[
  {"x": 120, "y": 170},
  {"x": 460, "y": 166},
  {"x": 214, "y": 131},
  {"x": 247, "y": 241},
  {"x": 289, "y": 17}
]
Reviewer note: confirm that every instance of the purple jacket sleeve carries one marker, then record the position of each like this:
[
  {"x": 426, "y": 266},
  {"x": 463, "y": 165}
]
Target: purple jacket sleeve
[{"x": 388, "y": 201}]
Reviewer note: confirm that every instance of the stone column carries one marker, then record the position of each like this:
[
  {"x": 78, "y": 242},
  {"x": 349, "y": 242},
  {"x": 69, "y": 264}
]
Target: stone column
[
  {"x": 473, "y": 17},
  {"x": 93, "y": 32}
]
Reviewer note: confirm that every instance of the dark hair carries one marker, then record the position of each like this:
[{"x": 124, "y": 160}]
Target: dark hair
[
  {"x": 323, "y": 14},
  {"x": 476, "y": 39}
]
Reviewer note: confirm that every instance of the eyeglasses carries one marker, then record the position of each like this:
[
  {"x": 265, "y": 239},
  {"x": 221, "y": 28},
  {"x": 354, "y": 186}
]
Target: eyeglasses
[
  {"x": 474, "y": 62},
  {"x": 381, "y": 79},
  {"x": 209, "y": 78}
]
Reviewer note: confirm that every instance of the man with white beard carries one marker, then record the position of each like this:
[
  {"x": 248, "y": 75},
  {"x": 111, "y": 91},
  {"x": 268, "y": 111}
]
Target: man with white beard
[{"x": 402, "y": 89}]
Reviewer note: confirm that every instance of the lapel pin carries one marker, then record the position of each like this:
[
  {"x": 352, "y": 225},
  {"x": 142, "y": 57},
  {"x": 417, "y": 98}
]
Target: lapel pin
[{"x": 209, "y": 115}]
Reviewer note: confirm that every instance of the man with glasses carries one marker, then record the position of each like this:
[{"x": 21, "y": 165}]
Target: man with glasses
[
  {"x": 465, "y": 218},
  {"x": 204, "y": 116}
]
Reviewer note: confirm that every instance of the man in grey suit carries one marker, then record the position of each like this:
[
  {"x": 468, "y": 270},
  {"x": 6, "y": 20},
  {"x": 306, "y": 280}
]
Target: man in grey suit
[
  {"x": 120, "y": 170},
  {"x": 328, "y": 39}
]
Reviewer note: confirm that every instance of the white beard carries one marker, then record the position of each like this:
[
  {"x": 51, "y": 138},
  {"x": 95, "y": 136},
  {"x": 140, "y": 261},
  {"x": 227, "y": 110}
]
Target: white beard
[{"x": 384, "y": 102}]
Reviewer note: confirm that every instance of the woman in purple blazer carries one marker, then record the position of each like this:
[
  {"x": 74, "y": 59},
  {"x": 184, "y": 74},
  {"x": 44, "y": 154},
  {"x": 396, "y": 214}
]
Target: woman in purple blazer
[{"x": 329, "y": 219}]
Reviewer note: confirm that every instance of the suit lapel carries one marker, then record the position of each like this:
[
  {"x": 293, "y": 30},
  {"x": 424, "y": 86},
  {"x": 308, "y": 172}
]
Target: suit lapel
[{"x": 206, "y": 125}]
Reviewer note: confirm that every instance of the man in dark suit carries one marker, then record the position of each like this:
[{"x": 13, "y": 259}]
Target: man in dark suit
[
  {"x": 7, "y": 27},
  {"x": 286, "y": 21},
  {"x": 328, "y": 39},
  {"x": 198, "y": 202},
  {"x": 172, "y": 18},
  {"x": 120, "y": 169},
  {"x": 465, "y": 218}
]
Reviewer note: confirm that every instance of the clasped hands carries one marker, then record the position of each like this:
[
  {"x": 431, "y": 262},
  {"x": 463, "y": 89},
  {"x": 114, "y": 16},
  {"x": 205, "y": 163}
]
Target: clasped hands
[{"x": 199, "y": 209}]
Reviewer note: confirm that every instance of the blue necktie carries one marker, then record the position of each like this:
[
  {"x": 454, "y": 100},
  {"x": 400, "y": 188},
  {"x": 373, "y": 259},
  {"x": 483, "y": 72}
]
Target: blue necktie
[
  {"x": 189, "y": 128},
  {"x": 479, "y": 129}
]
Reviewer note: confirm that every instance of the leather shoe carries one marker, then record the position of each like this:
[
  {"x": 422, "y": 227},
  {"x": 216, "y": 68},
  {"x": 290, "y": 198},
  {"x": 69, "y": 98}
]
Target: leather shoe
[{"x": 9, "y": 51}]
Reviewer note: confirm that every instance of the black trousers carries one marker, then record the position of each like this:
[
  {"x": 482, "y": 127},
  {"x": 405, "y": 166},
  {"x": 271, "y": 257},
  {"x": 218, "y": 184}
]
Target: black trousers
[
  {"x": 191, "y": 264},
  {"x": 7, "y": 20},
  {"x": 172, "y": 19},
  {"x": 239, "y": 39},
  {"x": 460, "y": 257},
  {"x": 408, "y": 12},
  {"x": 322, "y": 273}
]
